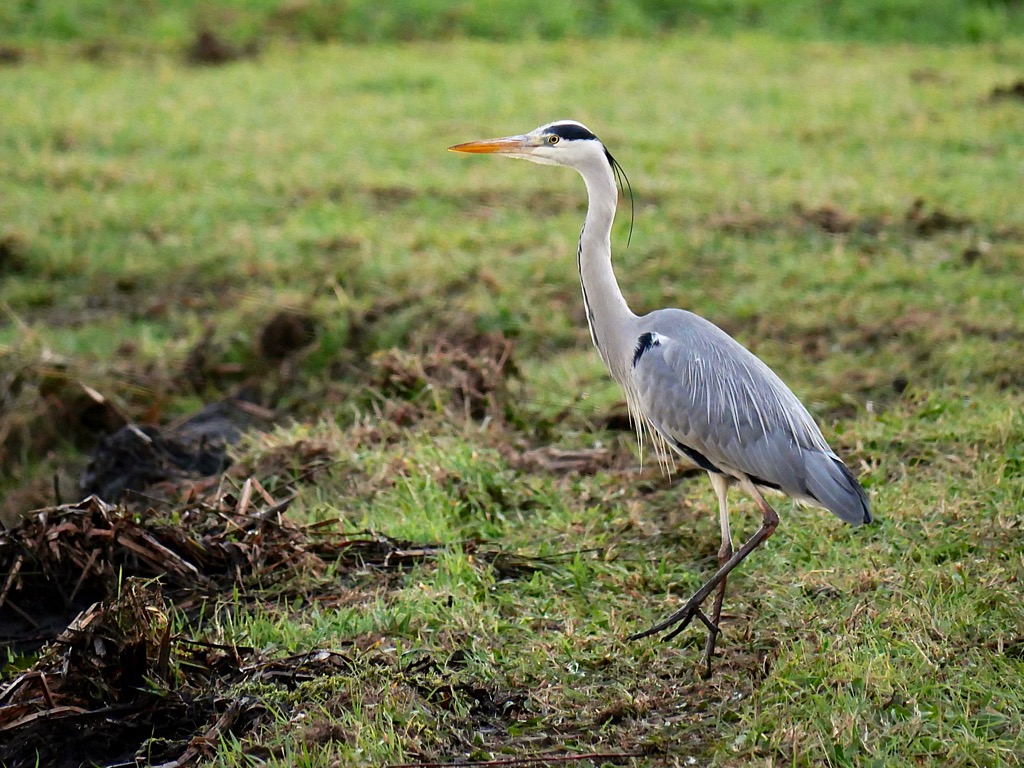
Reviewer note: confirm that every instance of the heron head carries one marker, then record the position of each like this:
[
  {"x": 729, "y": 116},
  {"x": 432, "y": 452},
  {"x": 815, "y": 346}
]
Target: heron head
[{"x": 564, "y": 142}]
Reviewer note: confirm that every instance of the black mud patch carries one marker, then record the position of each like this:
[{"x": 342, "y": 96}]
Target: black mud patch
[
  {"x": 1012, "y": 92},
  {"x": 11, "y": 55},
  {"x": 13, "y": 253},
  {"x": 210, "y": 49},
  {"x": 137, "y": 457}
]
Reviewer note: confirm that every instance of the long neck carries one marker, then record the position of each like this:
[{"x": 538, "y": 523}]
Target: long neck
[{"x": 611, "y": 321}]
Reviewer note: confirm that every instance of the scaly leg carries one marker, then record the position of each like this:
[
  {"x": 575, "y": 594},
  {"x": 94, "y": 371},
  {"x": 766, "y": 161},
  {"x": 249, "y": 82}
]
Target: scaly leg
[
  {"x": 721, "y": 486},
  {"x": 691, "y": 610}
]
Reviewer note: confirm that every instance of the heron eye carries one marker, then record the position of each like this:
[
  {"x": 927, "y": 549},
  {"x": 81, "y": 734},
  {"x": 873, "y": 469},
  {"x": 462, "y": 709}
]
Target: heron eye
[{"x": 553, "y": 139}]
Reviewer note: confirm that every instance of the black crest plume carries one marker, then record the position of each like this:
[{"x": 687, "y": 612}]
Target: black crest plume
[{"x": 620, "y": 177}]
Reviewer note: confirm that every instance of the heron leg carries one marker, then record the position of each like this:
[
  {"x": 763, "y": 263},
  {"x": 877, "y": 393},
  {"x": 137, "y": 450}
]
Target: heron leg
[
  {"x": 681, "y": 619},
  {"x": 721, "y": 486}
]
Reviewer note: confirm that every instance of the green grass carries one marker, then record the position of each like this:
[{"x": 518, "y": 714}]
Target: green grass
[
  {"x": 146, "y": 202},
  {"x": 146, "y": 23}
]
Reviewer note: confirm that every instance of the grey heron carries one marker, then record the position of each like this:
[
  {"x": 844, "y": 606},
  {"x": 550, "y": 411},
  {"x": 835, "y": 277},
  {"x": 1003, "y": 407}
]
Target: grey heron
[{"x": 688, "y": 385}]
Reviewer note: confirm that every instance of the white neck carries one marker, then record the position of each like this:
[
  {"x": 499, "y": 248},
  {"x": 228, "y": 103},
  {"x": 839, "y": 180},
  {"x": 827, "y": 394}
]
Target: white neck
[{"x": 611, "y": 321}]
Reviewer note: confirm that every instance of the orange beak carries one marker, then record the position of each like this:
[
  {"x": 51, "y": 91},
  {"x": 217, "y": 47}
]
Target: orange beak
[{"x": 503, "y": 146}]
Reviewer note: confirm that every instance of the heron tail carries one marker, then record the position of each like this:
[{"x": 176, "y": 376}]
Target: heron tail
[{"x": 832, "y": 483}]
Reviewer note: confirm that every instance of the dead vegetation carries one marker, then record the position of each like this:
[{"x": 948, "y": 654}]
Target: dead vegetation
[
  {"x": 62, "y": 558},
  {"x": 91, "y": 584},
  {"x": 117, "y": 686},
  {"x": 121, "y": 686},
  {"x": 466, "y": 377},
  {"x": 94, "y": 590},
  {"x": 114, "y": 413},
  {"x": 919, "y": 220}
]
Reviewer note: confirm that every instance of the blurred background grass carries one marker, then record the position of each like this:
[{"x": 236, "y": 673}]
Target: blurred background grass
[{"x": 155, "y": 22}]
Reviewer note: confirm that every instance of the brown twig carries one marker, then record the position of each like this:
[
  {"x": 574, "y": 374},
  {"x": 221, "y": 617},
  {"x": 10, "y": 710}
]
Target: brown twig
[
  {"x": 275, "y": 509},
  {"x": 242, "y": 507},
  {"x": 24, "y": 615},
  {"x": 86, "y": 572},
  {"x": 10, "y": 577},
  {"x": 46, "y": 691}
]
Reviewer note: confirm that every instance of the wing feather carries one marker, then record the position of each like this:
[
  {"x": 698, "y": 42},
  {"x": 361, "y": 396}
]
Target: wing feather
[{"x": 701, "y": 390}]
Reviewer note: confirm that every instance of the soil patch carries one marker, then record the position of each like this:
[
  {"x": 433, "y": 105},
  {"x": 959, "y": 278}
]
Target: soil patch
[
  {"x": 210, "y": 49},
  {"x": 286, "y": 333},
  {"x": 10, "y": 55},
  {"x": 1013, "y": 91},
  {"x": 920, "y": 220},
  {"x": 925, "y": 223},
  {"x": 13, "y": 253}
]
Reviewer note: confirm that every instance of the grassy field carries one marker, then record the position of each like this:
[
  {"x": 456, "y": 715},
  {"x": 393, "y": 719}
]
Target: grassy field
[
  {"x": 850, "y": 211},
  {"x": 143, "y": 24}
]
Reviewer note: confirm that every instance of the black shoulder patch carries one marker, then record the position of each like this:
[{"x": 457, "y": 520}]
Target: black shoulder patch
[
  {"x": 698, "y": 458},
  {"x": 644, "y": 343},
  {"x": 571, "y": 131},
  {"x": 706, "y": 464}
]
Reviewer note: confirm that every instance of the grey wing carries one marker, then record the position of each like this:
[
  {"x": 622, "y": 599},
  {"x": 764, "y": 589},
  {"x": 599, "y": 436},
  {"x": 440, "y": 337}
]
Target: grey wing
[{"x": 718, "y": 404}]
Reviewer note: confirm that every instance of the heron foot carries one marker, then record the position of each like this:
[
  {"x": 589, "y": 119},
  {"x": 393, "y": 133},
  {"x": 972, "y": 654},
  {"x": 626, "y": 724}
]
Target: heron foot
[{"x": 680, "y": 620}]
